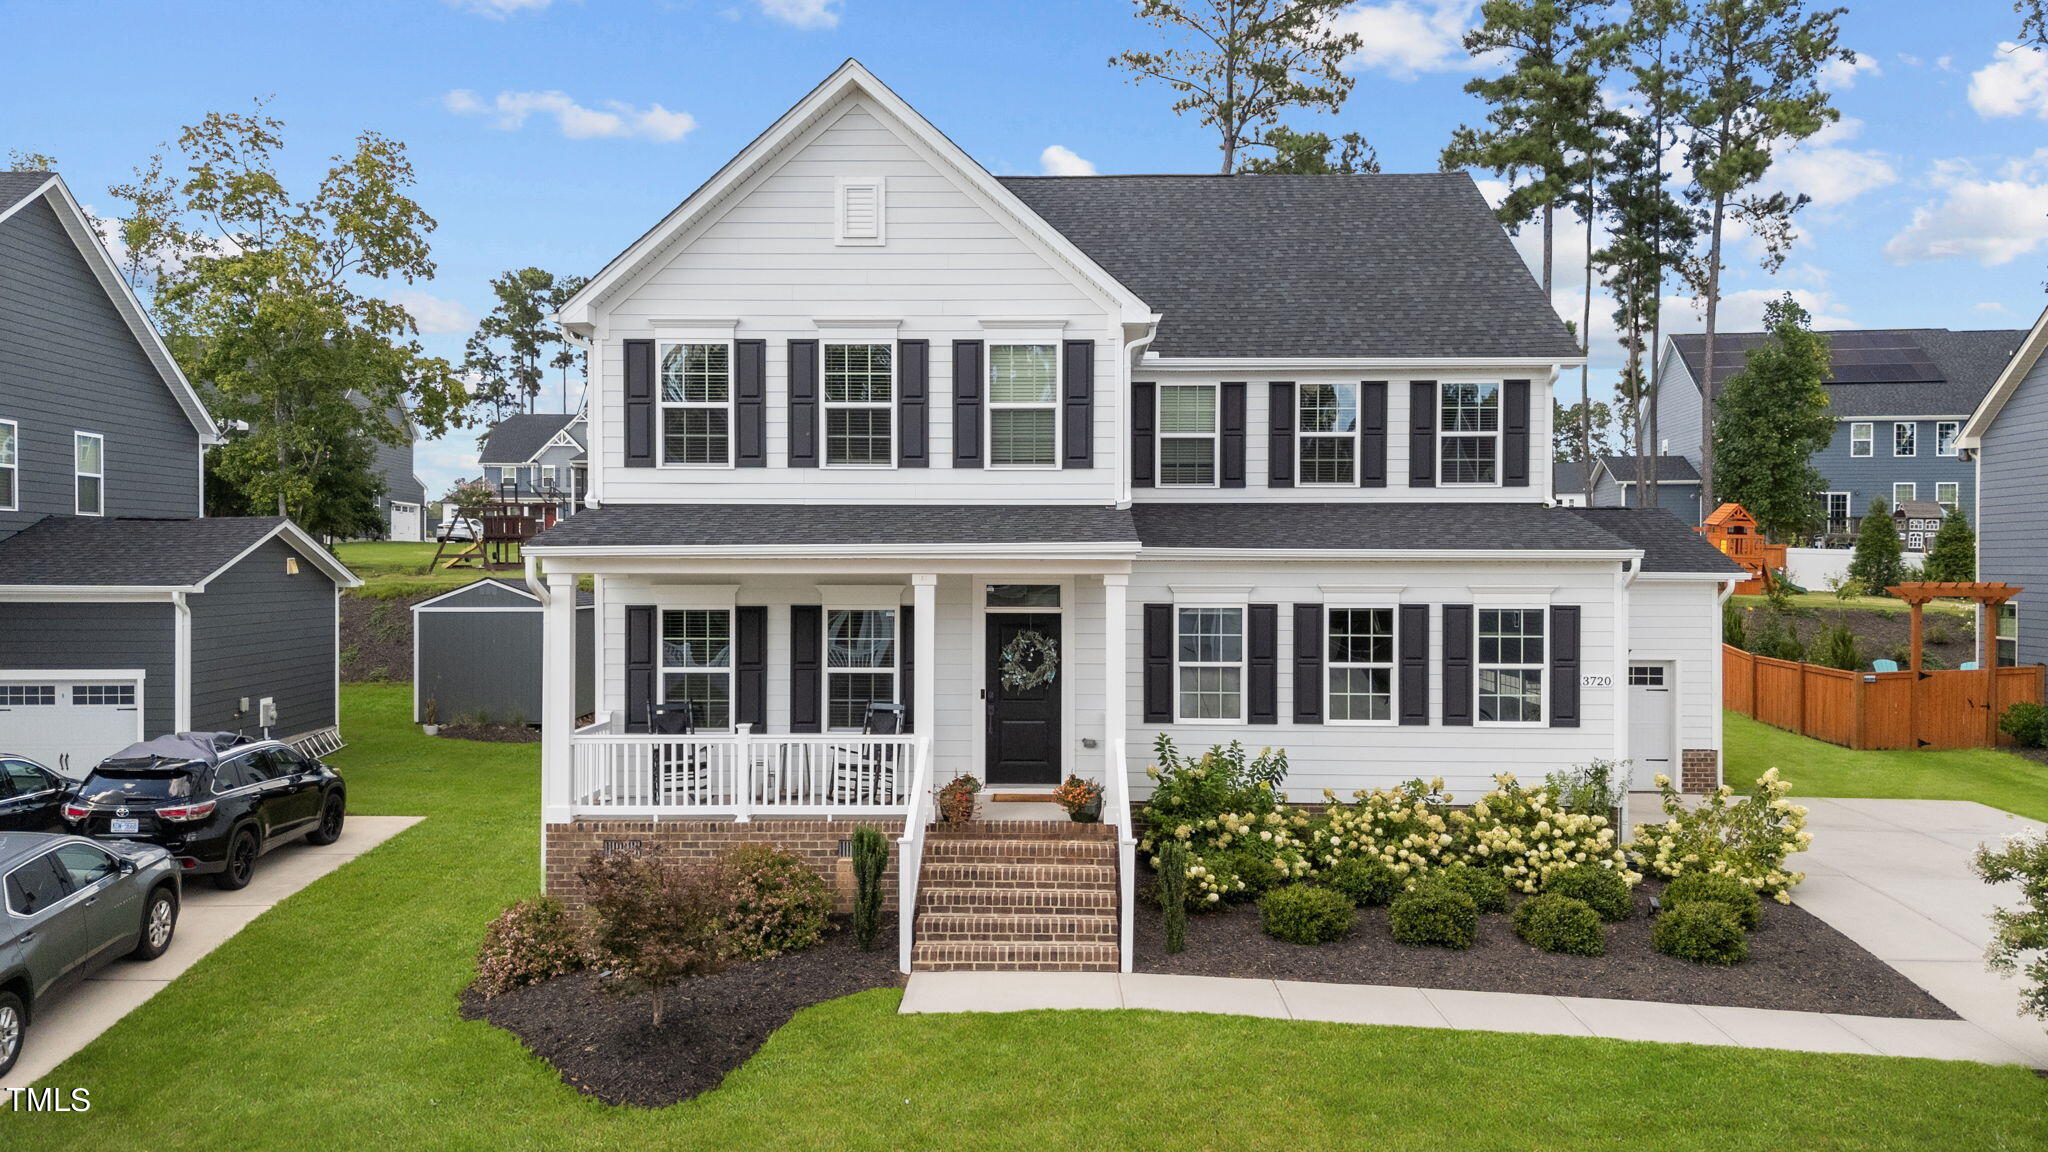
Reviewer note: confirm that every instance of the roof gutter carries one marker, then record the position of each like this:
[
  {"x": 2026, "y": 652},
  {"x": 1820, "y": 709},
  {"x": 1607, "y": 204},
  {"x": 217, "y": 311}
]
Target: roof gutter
[
  {"x": 1367, "y": 363},
  {"x": 533, "y": 581},
  {"x": 1134, "y": 349}
]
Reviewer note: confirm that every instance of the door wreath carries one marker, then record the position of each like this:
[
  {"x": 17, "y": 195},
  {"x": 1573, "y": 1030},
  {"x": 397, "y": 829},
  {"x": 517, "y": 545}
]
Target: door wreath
[{"x": 1030, "y": 659}]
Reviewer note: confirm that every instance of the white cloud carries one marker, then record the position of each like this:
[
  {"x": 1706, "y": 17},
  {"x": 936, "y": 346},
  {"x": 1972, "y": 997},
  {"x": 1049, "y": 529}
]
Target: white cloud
[
  {"x": 1407, "y": 37},
  {"x": 805, "y": 14},
  {"x": 434, "y": 314},
  {"x": 613, "y": 119},
  {"x": 1059, "y": 160},
  {"x": 2016, "y": 84},
  {"x": 1841, "y": 74},
  {"x": 442, "y": 464},
  {"x": 499, "y": 9},
  {"x": 1990, "y": 220},
  {"x": 1821, "y": 168},
  {"x": 1993, "y": 307}
]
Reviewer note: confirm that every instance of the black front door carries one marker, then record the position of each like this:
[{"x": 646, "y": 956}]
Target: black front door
[{"x": 1023, "y": 723}]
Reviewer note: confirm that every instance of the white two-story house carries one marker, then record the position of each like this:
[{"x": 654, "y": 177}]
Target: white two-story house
[{"x": 1061, "y": 464}]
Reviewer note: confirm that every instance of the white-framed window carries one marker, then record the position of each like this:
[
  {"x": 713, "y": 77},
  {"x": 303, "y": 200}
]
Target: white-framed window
[
  {"x": 1024, "y": 406},
  {"x": 2007, "y": 635},
  {"x": 696, "y": 404},
  {"x": 108, "y": 695},
  {"x": 861, "y": 210},
  {"x": 1905, "y": 438},
  {"x": 1861, "y": 437},
  {"x": 1187, "y": 435},
  {"x": 1210, "y": 664},
  {"x": 1835, "y": 506},
  {"x": 1361, "y": 665},
  {"x": 1945, "y": 437},
  {"x": 10, "y": 465},
  {"x": 860, "y": 405},
  {"x": 547, "y": 475},
  {"x": 89, "y": 451},
  {"x": 696, "y": 663},
  {"x": 1646, "y": 675},
  {"x": 1949, "y": 494},
  {"x": 861, "y": 664},
  {"x": 1904, "y": 491},
  {"x": 1511, "y": 664},
  {"x": 1326, "y": 446},
  {"x": 28, "y": 695},
  {"x": 1468, "y": 444}
]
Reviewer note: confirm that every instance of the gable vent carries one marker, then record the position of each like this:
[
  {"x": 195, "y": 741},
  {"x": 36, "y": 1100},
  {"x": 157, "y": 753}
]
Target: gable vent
[{"x": 861, "y": 210}]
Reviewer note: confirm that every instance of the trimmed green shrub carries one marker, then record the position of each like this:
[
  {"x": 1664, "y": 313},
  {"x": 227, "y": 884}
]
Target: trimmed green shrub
[
  {"x": 2026, "y": 723},
  {"x": 774, "y": 903},
  {"x": 1836, "y": 647},
  {"x": 1434, "y": 916},
  {"x": 1776, "y": 638},
  {"x": 1367, "y": 881},
  {"x": 1559, "y": 923},
  {"x": 870, "y": 861},
  {"x": 1605, "y": 889},
  {"x": 1733, "y": 632},
  {"x": 1305, "y": 914},
  {"x": 1740, "y": 899},
  {"x": 1173, "y": 893},
  {"x": 1701, "y": 931},
  {"x": 1488, "y": 889}
]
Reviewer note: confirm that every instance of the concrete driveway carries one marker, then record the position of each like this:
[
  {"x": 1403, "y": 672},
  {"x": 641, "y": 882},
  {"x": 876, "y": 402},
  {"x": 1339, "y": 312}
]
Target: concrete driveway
[{"x": 208, "y": 917}]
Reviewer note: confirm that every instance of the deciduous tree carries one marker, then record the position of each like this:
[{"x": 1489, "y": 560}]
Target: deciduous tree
[{"x": 1774, "y": 417}]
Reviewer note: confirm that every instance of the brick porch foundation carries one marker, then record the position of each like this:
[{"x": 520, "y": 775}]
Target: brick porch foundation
[
  {"x": 816, "y": 842},
  {"x": 1699, "y": 770}
]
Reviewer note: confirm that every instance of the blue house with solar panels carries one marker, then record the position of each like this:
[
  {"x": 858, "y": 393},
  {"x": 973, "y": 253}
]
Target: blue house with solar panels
[{"x": 1900, "y": 397}]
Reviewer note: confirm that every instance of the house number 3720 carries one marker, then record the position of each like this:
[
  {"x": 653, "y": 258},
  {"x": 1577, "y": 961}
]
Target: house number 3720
[{"x": 1591, "y": 681}]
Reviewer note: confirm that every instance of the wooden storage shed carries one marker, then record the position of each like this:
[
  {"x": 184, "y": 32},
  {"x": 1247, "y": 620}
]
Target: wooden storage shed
[{"x": 476, "y": 654}]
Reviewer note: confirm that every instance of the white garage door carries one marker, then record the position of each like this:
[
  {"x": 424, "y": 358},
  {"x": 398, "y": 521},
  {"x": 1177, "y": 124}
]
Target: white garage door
[
  {"x": 405, "y": 521},
  {"x": 70, "y": 724},
  {"x": 1651, "y": 740}
]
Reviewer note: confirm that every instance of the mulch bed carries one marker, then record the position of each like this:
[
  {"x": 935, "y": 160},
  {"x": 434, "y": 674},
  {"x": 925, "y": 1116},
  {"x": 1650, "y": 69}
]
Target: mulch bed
[
  {"x": 606, "y": 1046},
  {"x": 492, "y": 733},
  {"x": 1886, "y": 634},
  {"x": 1796, "y": 962}
]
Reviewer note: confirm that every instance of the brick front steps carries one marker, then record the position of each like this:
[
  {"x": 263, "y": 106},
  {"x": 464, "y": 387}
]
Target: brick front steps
[{"x": 1017, "y": 895}]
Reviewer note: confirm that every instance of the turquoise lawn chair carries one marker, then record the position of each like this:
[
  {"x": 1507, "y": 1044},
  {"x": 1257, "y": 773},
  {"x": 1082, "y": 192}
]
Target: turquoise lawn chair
[
  {"x": 1884, "y": 665},
  {"x": 1967, "y": 666}
]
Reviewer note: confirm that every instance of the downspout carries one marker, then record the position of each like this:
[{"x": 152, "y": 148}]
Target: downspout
[
  {"x": 593, "y": 447},
  {"x": 1624, "y": 582},
  {"x": 181, "y": 660},
  {"x": 534, "y": 583},
  {"x": 1127, "y": 369}
]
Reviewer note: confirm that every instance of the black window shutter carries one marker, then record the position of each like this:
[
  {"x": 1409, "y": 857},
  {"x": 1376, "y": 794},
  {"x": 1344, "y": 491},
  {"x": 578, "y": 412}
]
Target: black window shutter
[
  {"x": 1158, "y": 663},
  {"x": 1231, "y": 473},
  {"x": 1458, "y": 664},
  {"x": 642, "y": 625},
  {"x": 1262, "y": 664},
  {"x": 913, "y": 403},
  {"x": 1308, "y": 663},
  {"x": 1144, "y": 412},
  {"x": 750, "y": 403},
  {"x": 639, "y": 403},
  {"x": 1422, "y": 433},
  {"x": 803, "y": 403},
  {"x": 906, "y": 686},
  {"x": 1077, "y": 404},
  {"x": 1414, "y": 686},
  {"x": 1564, "y": 666},
  {"x": 1372, "y": 434},
  {"x": 967, "y": 403},
  {"x": 1514, "y": 439},
  {"x": 1280, "y": 440},
  {"x": 806, "y": 652},
  {"x": 750, "y": 666}
]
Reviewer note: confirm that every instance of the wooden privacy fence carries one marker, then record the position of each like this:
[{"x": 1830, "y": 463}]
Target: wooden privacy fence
[{"x": 1877, "y": 710}]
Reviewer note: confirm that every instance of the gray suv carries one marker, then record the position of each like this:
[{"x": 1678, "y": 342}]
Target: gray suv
[{"x": 69, "y": 905}]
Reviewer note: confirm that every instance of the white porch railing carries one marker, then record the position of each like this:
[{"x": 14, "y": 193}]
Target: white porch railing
[
  {"x": 1116, "y": 810},
  {"x": 910, "y": 852},
  {"x": 741, "y": 775}
]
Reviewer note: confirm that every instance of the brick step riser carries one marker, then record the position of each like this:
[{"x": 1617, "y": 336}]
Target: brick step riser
[
  {"x": 943, "y": 929},
  {"x": 1021, "y": 851},
  {"x": 1052, "y": 878},
  {"x": 1014, "y": 957},
  {"x": 1019, "y": 830},
  {"x": 1016, "y": 901}
]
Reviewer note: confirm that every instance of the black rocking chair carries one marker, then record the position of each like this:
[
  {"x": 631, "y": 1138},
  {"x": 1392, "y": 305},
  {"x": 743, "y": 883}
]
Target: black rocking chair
[
  {"x": 864, "y": 775},
  {"x": 675, "y": 770}
]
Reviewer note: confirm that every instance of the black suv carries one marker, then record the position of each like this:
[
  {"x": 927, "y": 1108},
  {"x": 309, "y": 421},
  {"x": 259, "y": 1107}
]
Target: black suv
[
  {"x": 31, "y": 796},
  {"x": 216, "y": 800}
]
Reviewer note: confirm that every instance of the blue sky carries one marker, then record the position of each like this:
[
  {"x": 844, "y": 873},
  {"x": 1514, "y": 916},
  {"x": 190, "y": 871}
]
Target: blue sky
[{"x": 552, "y": 132}]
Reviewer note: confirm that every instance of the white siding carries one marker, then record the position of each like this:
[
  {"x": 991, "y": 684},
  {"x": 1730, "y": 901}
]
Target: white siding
[{"x": 1681, "y": 622}]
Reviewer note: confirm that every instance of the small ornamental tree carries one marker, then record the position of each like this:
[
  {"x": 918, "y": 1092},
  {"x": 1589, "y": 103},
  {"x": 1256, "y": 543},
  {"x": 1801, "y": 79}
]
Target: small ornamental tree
[
  {"x": 2020, "y": 938},
  {"x": 1953, "y": 555},
  {"x": 1879, "y": 561},
  {"x": 651, "y": 923}
]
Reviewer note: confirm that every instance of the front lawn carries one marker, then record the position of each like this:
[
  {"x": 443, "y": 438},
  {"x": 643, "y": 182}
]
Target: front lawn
[
  {"x": 332, "y": 1022},
  {"x": 1815, "y": 768}
]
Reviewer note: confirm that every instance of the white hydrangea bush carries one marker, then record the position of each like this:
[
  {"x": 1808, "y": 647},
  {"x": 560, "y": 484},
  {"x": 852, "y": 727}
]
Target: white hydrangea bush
[
  {"x": 1525, "y": 834},
  {"x": 1747, "y": 838},
  {"x": 1405, "y": 827}
]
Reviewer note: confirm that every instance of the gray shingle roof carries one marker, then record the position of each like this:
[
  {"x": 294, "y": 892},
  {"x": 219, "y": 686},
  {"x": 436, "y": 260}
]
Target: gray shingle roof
[
  {"x": 1568, "y": 477},
  {"x": 1668, "y": 544},
  {"x": 1885, "y": 371},
  {"x": 115, "y": 552},
  {"x": 15, "y": 186},
  {"x": 1670, "y": 469},
  {"x": 1368, "y": 524},
  {"x": 1384, "y": 265},
  {"x": 515, "y": 439},
  {"x": 715, "y": 525}
]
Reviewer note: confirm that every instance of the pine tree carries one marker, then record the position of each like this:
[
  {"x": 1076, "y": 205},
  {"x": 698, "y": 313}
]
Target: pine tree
[
  {"x": 1953, "y": 555},
  {"x": 1773, "y": 418},
  {"x": 1879, "y": 561}
]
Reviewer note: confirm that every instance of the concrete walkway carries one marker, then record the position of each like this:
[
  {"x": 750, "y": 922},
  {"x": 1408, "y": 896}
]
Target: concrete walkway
[{"x": 206, "y": 920}]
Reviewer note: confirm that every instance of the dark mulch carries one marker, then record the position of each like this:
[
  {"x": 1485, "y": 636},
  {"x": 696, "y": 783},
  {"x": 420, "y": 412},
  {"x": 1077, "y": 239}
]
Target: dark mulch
[
  {"x": 376, "y": 638},
  {"x": 1796, "y": 962},
  {"x": 494, "y": 733},
  {"x": 605, "y": 1046}
]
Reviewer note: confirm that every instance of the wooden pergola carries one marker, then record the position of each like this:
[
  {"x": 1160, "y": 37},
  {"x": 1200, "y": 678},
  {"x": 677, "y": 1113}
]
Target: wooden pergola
[{"x": 1918, "y": 592}]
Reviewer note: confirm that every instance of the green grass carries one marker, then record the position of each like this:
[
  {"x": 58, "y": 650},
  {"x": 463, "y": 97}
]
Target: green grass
[
  {"x": 396, "y": 569},
  {"x": 1828, "y": 600},
  {"x": 331, "y": 1023},
  {"x": 2000, "y": 779}
]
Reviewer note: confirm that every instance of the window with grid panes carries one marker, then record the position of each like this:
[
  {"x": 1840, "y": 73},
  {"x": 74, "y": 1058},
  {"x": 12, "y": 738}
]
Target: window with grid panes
[
  {"x": 696, "y": 404},
  {"x": 860, "y": 396}
]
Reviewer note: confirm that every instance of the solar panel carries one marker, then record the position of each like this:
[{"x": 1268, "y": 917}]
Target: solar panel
[{"x": 1879, "y": 358}]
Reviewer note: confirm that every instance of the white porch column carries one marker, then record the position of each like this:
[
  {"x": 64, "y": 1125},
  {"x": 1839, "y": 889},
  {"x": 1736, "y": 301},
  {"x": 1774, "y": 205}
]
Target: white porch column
[
  {"x": 1115, "y": 642},
  {"x": 558, "y": 696},
  {"x": 924, "y": 692}
]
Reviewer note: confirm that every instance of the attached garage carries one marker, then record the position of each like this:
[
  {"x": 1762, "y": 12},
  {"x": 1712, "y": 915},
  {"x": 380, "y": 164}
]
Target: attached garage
[
  {"x": 406, "y": 522},
  {"x": 476, "y": 655},
  {"x": 70, "y": 718}
]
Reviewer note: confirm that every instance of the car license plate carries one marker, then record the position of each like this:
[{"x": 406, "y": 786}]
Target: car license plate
[{"x": 126, "y": 827}]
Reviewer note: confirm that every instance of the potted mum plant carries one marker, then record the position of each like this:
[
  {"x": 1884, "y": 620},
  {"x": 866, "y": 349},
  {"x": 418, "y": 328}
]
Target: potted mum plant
[
  {"x": 956, "y": 799},
  {"x": 1081, "y": 798}
]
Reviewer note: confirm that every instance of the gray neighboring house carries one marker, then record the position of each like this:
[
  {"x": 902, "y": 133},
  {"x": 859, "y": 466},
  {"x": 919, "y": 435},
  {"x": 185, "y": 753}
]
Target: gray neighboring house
[
  {"x": 404, "y": 500},
  {"x": 1678, "y": 484},
  {"x": 2004, "y": 438},
  {"x": 124, "y": 613},
  {"x": 1568, "y": 483},
  {"x": 1899, "y": 397},
  {"x": 477, "y": 654},
  {"x": 539, "y": 454}
]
